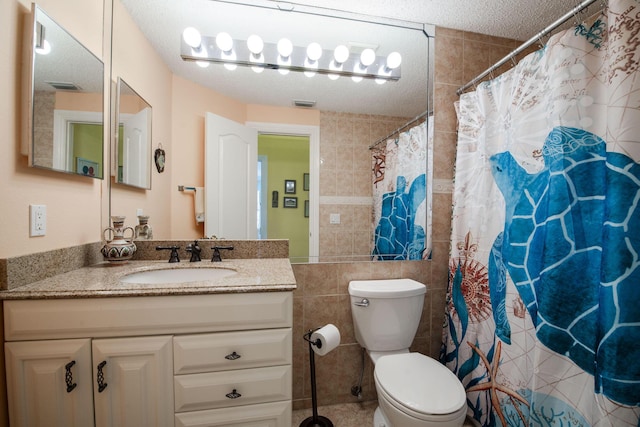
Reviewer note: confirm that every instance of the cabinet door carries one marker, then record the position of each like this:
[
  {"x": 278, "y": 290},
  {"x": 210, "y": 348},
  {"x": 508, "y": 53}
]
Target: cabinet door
[
  {"x": 49, "y": 383},
  {"x": 133, "y": 381}
]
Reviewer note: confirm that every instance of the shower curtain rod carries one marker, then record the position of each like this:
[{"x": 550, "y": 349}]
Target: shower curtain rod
[
  {"x": 415, "y": 119},
  {"x": 511, "y": 56}
]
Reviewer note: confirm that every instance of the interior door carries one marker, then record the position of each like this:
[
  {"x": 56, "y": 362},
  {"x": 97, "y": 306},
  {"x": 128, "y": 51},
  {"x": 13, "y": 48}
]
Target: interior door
[
  {"x": 136, "y": 133},
  {"x": 230, "y": 176}
]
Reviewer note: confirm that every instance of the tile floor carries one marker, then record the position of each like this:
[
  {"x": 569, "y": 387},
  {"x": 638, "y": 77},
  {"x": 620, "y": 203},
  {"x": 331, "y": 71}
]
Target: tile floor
[{"x": 345, "y": 415}]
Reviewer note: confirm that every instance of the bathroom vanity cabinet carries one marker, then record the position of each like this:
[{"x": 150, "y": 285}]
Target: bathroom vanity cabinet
[{"x": 191, "y": 360}]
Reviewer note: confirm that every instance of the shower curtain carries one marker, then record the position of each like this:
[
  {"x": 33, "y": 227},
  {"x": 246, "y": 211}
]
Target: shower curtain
[
  {"x": 400, "y": 196},
  {"x": 542, "y": 321}
]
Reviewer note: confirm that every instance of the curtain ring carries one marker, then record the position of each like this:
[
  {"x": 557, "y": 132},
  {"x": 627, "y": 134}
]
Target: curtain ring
[
  {"x": 540, "y": 41},
  {"x": 513, "y": 60},
  {"x": 575, "y": 12}
]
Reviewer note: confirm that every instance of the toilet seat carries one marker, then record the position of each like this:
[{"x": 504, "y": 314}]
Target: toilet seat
[{"x": 420, "y": 386}]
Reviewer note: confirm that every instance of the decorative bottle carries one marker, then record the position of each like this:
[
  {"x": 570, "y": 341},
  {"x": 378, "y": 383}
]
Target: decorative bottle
[
  {"x": 118, "y": 248},
  {"x": 143, "y": 230}
]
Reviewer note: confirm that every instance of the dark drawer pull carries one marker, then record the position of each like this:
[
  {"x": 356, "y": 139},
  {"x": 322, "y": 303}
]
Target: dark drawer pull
[
  {"x": 233, "y": 395},
  {"x": 232, "y": 356},
  {"x": 68, "y": 376},
  {"x": 100, "y": 377}
]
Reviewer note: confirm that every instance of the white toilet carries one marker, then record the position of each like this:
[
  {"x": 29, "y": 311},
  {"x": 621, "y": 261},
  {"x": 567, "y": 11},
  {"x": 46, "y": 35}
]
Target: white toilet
[{"x": 413, "y": 390}]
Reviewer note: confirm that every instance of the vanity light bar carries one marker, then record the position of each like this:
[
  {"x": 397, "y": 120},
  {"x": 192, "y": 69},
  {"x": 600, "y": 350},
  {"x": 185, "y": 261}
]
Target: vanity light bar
[{"x": 298, "y": 60}]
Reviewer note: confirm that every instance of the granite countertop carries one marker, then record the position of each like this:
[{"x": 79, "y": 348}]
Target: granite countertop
[{"x": 103, "y": 280}]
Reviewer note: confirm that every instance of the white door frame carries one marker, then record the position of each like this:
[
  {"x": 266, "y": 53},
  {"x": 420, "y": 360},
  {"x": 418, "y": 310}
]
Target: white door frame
[
  {"x": 313, "y": 132},
  {"x": 62, "y": 141}
]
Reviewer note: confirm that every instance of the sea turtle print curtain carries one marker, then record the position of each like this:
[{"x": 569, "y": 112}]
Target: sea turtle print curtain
[
  {"x": 543, "y": 309},
  {"x": 400, "y": 210}
]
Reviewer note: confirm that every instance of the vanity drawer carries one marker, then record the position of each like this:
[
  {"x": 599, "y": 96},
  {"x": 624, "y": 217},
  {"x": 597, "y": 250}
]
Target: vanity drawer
[
  {"x": 209, "y": 390},
  {"x": 231, "y": 350},
  {"x": 276, "y": 414}
]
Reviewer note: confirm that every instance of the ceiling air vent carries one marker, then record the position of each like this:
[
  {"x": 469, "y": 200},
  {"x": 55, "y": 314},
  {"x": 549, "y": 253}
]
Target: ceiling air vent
[
  {"x": 305, "y": 104},
  {"x": 65, "y": 86}
]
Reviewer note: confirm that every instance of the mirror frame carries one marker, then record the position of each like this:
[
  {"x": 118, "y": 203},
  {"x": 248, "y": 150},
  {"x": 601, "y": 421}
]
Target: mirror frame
[
  {"x": 146, "y": 161},
  {"x": 61, "y": 118}
]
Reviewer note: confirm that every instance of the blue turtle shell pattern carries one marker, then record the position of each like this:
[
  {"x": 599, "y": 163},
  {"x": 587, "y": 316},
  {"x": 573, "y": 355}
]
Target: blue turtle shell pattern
[{"x": 571, "y": 245}]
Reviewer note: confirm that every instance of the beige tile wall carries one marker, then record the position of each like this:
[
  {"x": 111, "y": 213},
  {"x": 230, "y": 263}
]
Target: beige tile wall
[
  {"x": 345, "y": 176},
  {"x": 322, "y": 294}
]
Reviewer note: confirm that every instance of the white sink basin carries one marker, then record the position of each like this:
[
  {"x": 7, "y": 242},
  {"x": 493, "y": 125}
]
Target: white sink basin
[{"x": 177, "y": 276}]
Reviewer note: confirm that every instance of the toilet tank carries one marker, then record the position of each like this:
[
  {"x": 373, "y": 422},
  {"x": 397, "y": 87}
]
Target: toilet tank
[{"x": 389, "y": 318}]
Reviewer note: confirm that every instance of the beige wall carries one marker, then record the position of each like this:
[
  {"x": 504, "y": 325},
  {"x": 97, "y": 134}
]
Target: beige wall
[{"x": 74, "y": 204}]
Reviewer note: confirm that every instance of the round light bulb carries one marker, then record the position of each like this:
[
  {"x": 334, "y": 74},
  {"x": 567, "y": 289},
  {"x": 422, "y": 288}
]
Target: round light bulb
[
  {"x": 367, "y": 57},
  {"x": 285, "y": 47},
  {"x": 381, "y": 81},
  {"x": 341, "y": 54},
  {"x": 255, "y": 44},
  {"x": 202, "y": 64},
  {"x": 192, "y": 37},
  {"x": 394, "y": 60},
  {"x": 224, "y": 42},
  {"x": 314, "y": 51}
]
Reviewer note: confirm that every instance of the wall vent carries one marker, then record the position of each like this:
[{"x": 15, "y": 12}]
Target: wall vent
[
  {"x": 65, "y": 86},
  {"x": 304, "y": 104}
]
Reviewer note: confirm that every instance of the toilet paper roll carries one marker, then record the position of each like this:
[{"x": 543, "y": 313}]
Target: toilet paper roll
[{"x": 326, "y": 339}]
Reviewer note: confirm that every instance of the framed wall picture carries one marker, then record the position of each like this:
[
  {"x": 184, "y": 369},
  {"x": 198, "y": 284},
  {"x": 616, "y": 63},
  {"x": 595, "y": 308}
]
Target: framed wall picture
[
  {"x": 290, "y": 186},
  {"x": 86, "y": 167},
  {"x": 290, "y": 202},
  {"x": 305, "y": 181}
]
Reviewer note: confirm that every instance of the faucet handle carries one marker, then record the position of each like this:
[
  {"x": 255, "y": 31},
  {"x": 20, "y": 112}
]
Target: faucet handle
[
  {"x": 174, "y": 257},
  {"x": 216, "y": 252}
]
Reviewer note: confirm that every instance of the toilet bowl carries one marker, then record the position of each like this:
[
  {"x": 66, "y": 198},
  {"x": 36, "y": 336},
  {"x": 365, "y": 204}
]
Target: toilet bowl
[{"x": 413, "y": 390}]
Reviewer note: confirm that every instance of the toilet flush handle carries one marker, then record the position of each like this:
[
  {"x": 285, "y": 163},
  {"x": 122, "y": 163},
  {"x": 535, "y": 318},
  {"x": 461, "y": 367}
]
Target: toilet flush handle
[{"x": 363, "y": 303}]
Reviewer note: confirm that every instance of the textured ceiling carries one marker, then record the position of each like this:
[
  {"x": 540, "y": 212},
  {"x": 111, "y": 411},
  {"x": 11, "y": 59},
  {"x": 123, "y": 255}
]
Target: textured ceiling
[{"x": 162, "y": 21}]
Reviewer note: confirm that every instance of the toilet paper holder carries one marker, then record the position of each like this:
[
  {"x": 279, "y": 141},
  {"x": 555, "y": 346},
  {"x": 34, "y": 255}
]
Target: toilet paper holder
[{"x": 315, "y": 419}]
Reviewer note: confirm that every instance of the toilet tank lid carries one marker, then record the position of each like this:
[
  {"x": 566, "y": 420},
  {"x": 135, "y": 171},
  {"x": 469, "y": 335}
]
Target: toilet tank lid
[{"x": 388, "y": 288}]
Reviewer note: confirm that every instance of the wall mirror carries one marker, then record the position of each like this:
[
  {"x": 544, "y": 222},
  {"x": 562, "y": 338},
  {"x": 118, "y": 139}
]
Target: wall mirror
[
  {"x": 163, "y": 22},
  {"x": 63, "y": 100},
  {"x": 133, "y": 138}
]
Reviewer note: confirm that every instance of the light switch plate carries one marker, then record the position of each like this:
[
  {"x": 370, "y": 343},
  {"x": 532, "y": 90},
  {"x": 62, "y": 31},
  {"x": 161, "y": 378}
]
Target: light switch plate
[
  {"x": 37, "y": 220},
  {"x": 334, "y": 218}
]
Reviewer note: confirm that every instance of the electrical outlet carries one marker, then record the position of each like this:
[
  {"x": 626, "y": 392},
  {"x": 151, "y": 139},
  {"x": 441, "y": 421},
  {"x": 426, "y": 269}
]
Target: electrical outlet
[{"x": 38, "y": 220}]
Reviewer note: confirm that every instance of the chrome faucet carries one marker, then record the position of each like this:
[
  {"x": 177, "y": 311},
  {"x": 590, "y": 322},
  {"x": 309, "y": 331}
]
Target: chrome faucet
[{"x": 195, "y": 251}]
